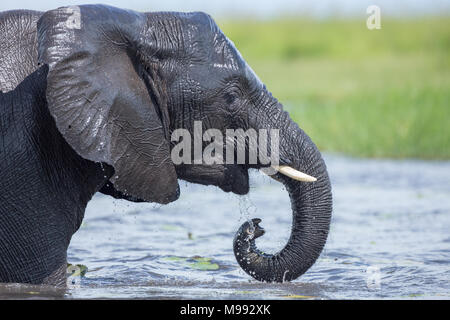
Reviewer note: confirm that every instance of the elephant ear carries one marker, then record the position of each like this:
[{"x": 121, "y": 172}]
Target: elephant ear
[{"x": 100, "y": 102}]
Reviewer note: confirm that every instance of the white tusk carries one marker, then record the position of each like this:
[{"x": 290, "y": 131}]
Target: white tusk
[{"x": 294, "y": 174}]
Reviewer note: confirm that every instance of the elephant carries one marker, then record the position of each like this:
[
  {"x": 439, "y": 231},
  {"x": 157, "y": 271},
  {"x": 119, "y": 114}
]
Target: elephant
[{"x": 91, "y": 96}]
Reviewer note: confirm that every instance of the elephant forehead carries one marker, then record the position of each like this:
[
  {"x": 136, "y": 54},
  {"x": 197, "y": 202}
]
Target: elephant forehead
[
  {"x": 204, "y": 40},
  {"x": 226, "y": 56}
]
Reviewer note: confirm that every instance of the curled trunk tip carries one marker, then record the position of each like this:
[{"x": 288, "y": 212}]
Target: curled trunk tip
[{"x": 311, "y": 206}]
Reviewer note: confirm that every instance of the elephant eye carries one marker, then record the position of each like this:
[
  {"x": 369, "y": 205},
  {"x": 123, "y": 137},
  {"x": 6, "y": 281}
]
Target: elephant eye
[{"x": 229, "y": 98}]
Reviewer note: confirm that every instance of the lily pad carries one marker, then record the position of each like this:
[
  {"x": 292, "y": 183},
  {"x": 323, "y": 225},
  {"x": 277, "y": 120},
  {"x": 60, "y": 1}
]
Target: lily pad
[
  {"x": 170, "y": 227},
  {"x": 204, "y": 264},
  {"x": 414, "y": 295},
  {"x": 77, "y": 270},
  {"x": 196, "y": 262},
  {"x": 174, "y": 258},
  {"x": 245, "y": 292}
]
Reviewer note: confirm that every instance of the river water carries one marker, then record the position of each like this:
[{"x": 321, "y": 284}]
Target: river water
[{"x": 389, "y": 238}]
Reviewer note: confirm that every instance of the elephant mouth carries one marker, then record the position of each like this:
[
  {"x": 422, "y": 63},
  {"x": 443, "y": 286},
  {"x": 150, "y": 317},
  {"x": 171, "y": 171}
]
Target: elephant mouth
[
  {"x": 236, "y": 180},
  {"x": 230, "y": 178}
]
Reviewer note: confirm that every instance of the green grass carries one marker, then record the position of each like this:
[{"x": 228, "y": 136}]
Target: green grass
[{"x": 380, "y": 93}]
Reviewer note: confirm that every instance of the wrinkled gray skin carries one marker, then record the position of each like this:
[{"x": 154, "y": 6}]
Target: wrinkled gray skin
[{"x": 99, "y": 91}]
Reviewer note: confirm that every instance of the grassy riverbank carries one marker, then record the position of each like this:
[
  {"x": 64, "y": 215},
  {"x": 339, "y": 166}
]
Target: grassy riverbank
[{"x": 381, "y": 93}]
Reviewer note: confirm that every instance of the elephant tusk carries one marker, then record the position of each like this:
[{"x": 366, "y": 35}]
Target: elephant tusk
[{"x": 294, "y": 174}]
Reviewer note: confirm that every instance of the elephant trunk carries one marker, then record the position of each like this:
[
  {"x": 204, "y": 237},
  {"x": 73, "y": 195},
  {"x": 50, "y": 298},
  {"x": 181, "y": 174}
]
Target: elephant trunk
[{"x": 311, "y": 204}]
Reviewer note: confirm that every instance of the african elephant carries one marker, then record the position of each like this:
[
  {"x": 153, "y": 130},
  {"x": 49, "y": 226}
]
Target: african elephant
[{"x": 90, "y": 103}]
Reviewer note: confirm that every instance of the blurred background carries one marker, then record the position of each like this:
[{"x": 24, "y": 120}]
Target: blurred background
[
  {"x": 360, "y": 94},
  {"x": 371, "y": 93}
]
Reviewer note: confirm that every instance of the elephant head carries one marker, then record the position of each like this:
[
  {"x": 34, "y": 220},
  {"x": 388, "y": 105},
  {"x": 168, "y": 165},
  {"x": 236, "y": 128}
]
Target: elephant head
[{"x": 120, "y": 82}]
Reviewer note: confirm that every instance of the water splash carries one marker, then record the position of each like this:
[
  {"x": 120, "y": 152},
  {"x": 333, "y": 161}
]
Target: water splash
[{"x": 128, "y": 250}]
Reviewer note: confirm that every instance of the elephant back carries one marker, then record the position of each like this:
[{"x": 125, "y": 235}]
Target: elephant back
[{"x": 18, "y": 46}]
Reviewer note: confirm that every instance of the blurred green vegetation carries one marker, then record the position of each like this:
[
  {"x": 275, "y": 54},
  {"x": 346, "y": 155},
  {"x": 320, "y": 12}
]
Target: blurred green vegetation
[{"x": 379, "y": 93}]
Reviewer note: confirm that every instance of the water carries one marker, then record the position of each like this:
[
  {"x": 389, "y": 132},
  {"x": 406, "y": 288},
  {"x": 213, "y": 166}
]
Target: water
[{"x": 389, "y": 238}]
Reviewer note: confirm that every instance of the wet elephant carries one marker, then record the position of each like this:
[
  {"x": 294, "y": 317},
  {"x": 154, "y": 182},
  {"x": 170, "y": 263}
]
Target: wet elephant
[{"x": 97, "y": 95}]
